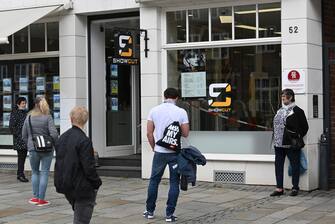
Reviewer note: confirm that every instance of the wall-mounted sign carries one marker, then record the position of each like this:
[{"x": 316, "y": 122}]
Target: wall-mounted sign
[
  {"x": 294, "y": 79},
  {"x": 124, "y": 49}
]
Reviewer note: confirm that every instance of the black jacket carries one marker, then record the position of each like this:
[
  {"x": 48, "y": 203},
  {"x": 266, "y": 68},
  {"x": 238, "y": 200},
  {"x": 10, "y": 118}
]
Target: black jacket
[
  {"x": 75, "y": 172},
  {"x": 295, "y": 122},
  {"x": 188, "y": 159},
  {"x": 16, "y": 121}
]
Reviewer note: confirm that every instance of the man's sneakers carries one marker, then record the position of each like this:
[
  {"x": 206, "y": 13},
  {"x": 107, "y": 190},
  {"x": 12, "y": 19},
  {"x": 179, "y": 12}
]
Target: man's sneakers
[
  {"x": 148, "y": 215},
  {"x": 38, "y": 202},
  {"x": 171, "y": 218},
  {"x": 33, "y": 201}
]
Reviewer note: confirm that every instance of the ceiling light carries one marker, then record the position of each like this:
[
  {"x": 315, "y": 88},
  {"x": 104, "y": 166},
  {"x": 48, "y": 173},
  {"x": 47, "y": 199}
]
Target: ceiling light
[
  {"x": 226, "y": 19},
  {"x": 250, "y": 27},
  {"x": 260, "y": 11}
]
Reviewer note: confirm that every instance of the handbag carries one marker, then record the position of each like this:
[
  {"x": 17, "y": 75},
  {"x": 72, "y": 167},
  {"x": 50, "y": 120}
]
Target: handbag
[
  {"x": 42, "y": 143},
  {"x": 296, "y": 140}
]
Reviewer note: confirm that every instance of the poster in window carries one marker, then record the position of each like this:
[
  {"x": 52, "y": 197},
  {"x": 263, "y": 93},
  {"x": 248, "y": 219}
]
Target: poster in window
[
  {"x": 23, "y": 85},
  {"x": 114, "y": 104},
  {"x": 7, "y": 85},
  {"x": 56, "y": 83},
  {"x": 7, "y": 103},
  {"x": 40, "y": 84},
  {"x": 114, "y": 87},
  {"x": 193, "y": 60},
  {"x": 56, "y": 99},
  {"x": 27, "y": 100},
  {"x": 193, "y": 84},
  {"x": 6, "y": 118},
  {"x": 114, "y": 70},
  {"x": 57, "y": 118}
]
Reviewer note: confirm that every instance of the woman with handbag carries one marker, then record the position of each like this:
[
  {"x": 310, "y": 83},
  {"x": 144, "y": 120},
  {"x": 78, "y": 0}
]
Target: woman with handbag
[
  {"x": 289, "y": 127},
  {"x": 40, "y": 134}
]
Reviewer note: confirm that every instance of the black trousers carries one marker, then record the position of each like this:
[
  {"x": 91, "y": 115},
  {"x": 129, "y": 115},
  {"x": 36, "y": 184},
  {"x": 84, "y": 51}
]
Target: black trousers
[
  {"x": 294, "y": 157},
  {"x": 83, "y": 208},
  {"x": 21, "y": 159}
]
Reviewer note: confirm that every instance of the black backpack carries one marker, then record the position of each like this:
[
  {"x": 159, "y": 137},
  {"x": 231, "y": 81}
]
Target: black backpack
[{"x": 171, "y": 137}]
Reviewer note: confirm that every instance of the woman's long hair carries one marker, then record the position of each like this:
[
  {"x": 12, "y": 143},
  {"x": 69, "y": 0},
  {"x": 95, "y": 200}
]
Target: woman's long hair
[{"x": 41, "y": 107}]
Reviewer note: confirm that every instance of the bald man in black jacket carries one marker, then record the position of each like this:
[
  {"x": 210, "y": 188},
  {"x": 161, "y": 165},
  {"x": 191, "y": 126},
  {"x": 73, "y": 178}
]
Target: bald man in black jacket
[{"x": 75, "y": 172}]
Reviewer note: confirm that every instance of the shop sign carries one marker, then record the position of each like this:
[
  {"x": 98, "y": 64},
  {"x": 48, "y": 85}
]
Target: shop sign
[
  {"x": 294, "y": 79},
  {"x": 124, "y": 47},
  {"x": 220, "y": 102}
]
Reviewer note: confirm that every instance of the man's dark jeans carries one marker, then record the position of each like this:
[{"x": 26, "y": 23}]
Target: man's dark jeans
[
  {"x": 294, "y": 157},
  {"x": 160, "y": 161},
  {"x": 83, "y": 208}
]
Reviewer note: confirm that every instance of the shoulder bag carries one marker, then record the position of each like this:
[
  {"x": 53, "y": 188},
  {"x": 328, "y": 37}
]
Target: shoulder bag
[{"x": 42, "y": 143}]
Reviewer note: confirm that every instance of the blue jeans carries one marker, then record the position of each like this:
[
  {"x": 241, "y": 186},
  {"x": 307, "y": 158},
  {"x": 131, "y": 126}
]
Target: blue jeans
[
  {"x": 40, "y": 177},
  {"x": 160, "y": 161}
]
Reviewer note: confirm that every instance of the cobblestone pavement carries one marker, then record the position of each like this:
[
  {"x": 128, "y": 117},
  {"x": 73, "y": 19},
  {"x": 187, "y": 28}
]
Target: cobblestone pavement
[{"x": 121, "y": 201}]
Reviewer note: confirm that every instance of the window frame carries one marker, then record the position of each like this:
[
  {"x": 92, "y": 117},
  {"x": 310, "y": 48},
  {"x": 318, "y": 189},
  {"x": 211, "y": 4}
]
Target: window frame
[{"x": 29, "y": 54}]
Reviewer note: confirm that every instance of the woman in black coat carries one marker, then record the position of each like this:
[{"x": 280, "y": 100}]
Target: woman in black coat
[
  {"x": 17, "y": 118},
  {"x": 290, "y": 126}
]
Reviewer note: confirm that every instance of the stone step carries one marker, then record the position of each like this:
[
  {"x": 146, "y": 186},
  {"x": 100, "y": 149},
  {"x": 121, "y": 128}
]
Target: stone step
[{"x": 120, "y": 171}]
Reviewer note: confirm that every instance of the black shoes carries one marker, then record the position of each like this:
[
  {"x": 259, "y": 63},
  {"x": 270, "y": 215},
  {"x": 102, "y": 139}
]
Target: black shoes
[
  {"x": 294, "y": 192},
  {"x": 277, "y": 193},
  {"x": 22, "y": 179}
]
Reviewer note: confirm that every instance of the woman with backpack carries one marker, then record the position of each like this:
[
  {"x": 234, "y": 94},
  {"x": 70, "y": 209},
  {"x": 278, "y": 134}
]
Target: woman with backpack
[{"x": 38, "y": 132}]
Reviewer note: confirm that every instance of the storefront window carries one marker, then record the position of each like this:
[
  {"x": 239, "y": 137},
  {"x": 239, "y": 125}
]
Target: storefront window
[
  {"x": 254, "y": 74},
  {"x": 21, "y": 41},
  {"x": 198, "y": 25},
  {"x": 269, "y": 20},
  {"x": 53, "y": 36},
  {"x": 37, "y": 37},
  {"x": 27, "y": 78},
  {"x": 221, "y": 23},
  {"x": 245, "y": 21},
  {"x": 176, "y": 26}
]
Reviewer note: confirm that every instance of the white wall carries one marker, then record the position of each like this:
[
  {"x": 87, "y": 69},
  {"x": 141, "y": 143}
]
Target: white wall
[{"x": 303, "y": 50}]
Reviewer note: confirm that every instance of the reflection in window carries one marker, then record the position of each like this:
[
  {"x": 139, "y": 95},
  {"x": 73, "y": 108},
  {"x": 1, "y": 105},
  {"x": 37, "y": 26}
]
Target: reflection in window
[
  {"x": 198, "y": 25},
  {"x": 245, "y": 22},
  {"x": 221, "y": 23},
  {"x": 253, "y": 72},
  {"x": 37, "y": 37},
  {"x": 269, "y": 20},
  {"x": 21, "y": 41},
  {"x": 176, "y": 27},
  {"x": 6, "y": 48},
  {"x": 53, "y": 36}
]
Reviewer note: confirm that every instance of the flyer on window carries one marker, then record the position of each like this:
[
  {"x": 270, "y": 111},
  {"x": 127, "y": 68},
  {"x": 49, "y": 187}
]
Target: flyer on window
[
  {"x": 7, "y": 103},
  {"x": 193, "y": 84},
  {"x": 27, "y": 100},
  {"x": 7, "y": 85},
  {"x": 56, "y": 99},
  {"x": 114, "y": 87},
  {"x": 6, "y": 118},
  {"x": 114, "y": 104},
  {"x": 57, "y": 118},
  {"x": 114, "y": 70},
  {"x": 56, "y": 83},
  {"x": 40, "y": 84},
  {"x": 23, "y": 85}
]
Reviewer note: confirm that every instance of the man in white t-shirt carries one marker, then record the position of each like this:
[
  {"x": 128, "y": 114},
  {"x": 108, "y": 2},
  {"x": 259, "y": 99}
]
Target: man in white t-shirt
[{"x": 160, "y": 117}]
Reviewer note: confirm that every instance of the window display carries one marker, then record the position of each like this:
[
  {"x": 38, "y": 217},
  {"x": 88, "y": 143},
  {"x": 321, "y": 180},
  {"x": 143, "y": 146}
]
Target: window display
[{"x": 27, "y": 78}]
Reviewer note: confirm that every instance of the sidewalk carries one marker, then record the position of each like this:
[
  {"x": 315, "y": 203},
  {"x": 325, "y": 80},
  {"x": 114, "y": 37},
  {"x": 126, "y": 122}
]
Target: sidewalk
[{"x": 122, "y": 201}]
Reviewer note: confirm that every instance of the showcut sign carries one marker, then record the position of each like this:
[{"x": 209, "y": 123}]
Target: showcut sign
[{"x": 294, "y": 79}]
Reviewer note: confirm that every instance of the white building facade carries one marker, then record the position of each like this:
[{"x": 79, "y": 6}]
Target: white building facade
[{"x": 246, "y": 50}]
